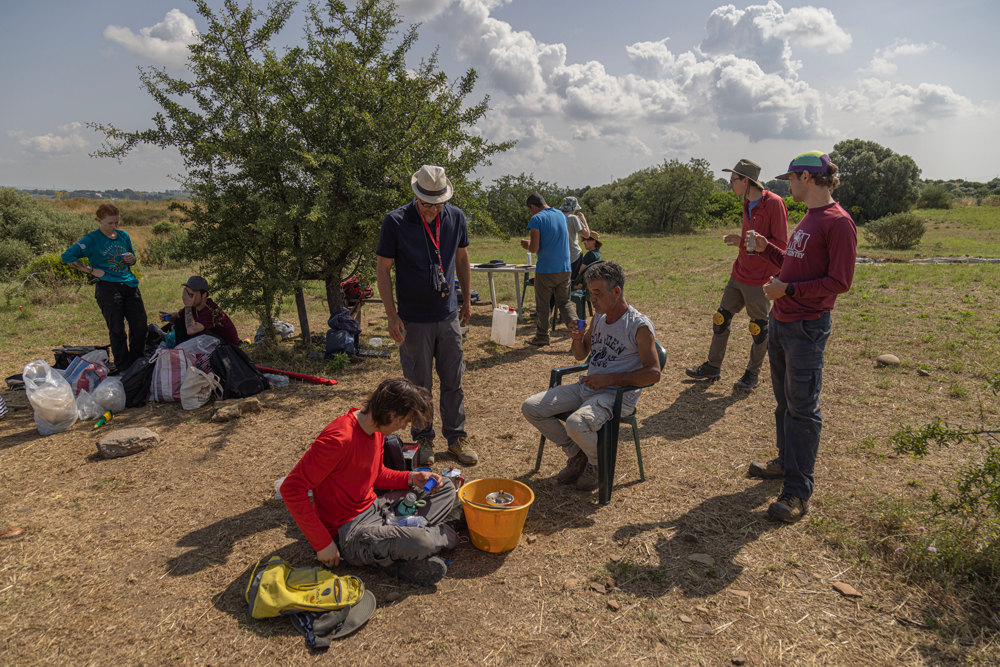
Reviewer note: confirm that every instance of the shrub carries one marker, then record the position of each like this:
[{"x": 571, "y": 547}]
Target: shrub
[
  {"x": 164, "y": 228},
  {"x": 37, "y": 226},
  {"x": 934, "y": 196},
  {"x": 726, "y": 208},
  {"x": 991, "y": 200},
  {"x": 897, "y": 232},
  {"x": 51, "y": 270},
  {"x": 14, "y": 253},
  {"x": 168, "y": 251},
  {"x": 965, "y": 201}
]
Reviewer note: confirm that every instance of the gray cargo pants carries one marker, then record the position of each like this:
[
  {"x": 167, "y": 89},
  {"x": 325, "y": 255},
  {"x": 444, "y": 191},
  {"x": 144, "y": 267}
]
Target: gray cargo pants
[
  {"x": 547, "y": 287},
  {"x": 367, "y": 540},
  {"x": 734, "y": 299},
  {"x": 429, "y": 344}
]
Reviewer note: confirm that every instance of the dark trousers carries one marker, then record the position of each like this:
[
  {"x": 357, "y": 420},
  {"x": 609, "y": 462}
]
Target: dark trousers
[
  {"x": 796, "y": 350},
  {"x": 425, "y": 346},
  {"x": 120, "y": 303}
]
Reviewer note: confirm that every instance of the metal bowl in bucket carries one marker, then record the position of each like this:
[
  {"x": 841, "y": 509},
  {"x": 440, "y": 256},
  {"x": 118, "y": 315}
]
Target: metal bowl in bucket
[{"x": 495, "y": 510}]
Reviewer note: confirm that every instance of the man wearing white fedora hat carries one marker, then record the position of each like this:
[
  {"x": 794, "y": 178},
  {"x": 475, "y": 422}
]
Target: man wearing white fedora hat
[{"x": 427, "y": 242}]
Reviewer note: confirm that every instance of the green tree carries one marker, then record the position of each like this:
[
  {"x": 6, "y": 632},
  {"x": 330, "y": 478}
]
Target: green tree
[
  {"x": 874, "y": 180},
  {"x": 505, "y": 199},
  {"x": 934, "y": 196},
  {"x": 676, "y": 196},
  {"x": 779, "y": 188},
  {"x": 294, "y": 158}
]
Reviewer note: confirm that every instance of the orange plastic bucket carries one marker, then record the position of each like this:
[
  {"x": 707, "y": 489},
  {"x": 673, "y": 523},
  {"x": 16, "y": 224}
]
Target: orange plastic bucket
[{"x": 495, "y": 529}]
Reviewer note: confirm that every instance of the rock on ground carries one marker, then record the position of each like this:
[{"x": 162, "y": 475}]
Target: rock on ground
[{"x": 126, "y": 441}]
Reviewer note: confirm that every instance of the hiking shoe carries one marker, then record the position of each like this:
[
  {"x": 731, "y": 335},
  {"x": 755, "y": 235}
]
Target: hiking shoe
[
  {"x": 574, "y": 468},
  {"x": 460, "y": 449},
  {"x": 704, "y": 372},
  {"x": 425, "y": 453},
  {"x": 538, "y": 342},
  {"x": 422, "y": 572},
  {"x": 788, "y": 508},
  {"x": 770, "y": 470},
  {"x": 588, "y": 480},
  {"x": 747, "y": 382}
]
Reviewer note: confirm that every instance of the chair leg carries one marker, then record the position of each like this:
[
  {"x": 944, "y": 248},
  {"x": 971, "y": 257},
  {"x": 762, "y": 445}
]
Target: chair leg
[
  {"x": 605, "y": 473},
  {"x": 538, "y": 461},
  {"x": 638, "y": 449}
]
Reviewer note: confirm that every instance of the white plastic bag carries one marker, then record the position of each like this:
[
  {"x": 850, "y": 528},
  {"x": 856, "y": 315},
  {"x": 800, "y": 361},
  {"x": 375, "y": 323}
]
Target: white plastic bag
[
  {"x": 50, "y": 397},
  {"x": 199, "y": 345},
  {"x": 110, "y": 395},
  {"x": 197, "y": 387},
  {"x": 97, "y": 356},
  {"x": 86, "y": 407}
]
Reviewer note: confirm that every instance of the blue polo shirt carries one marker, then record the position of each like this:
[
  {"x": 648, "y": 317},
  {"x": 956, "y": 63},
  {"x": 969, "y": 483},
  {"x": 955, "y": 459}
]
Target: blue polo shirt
[
  {"x": 553, "y": 242},
  {"x": 404, "y": 240},
  {"x": 105, "y": 254}
]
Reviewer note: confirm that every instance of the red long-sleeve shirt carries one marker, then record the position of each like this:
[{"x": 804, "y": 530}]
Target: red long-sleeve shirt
[
  {"x": 819, "y": 261},
  {"x": 769, "y": 219},
  {"x": 342, "y": 468}
]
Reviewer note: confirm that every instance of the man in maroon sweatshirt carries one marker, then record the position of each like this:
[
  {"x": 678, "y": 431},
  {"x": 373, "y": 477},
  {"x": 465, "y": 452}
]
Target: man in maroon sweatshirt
[
  {"x": 817, "y": 265},
  {"x": 763, "y": 212}
]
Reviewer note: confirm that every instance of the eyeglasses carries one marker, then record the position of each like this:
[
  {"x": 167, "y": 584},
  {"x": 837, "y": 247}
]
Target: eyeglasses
[
  {"x": 426, "y": 205},
  {"x": 734, "y": 178}
]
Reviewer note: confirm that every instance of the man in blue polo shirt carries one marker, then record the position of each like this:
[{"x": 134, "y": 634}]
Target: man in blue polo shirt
[
  {"x": 549, "y": 238},
  {"x": 427, "y": 241}
]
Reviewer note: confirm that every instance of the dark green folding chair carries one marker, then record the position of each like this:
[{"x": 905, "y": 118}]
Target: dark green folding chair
[{"x": 607, "y": 437}]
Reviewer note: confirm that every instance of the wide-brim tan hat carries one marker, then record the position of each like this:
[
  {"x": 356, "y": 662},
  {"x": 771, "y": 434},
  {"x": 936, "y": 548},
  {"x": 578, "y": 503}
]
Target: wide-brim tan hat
[
  {"x": 594, "y": 236},
  {"x": 748, "y": 169},
  {"x": 431, "y": 185}
]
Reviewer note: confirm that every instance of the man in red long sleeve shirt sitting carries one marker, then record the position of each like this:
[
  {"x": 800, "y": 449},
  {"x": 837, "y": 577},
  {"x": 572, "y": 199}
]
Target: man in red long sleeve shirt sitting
[
  {"x": 817, "y": 266},
  {"x": 343, "y": 467}
]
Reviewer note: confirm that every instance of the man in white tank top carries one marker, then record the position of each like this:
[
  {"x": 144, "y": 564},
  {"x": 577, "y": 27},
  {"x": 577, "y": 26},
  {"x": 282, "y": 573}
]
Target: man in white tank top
[{"x": 620, "y": 342}]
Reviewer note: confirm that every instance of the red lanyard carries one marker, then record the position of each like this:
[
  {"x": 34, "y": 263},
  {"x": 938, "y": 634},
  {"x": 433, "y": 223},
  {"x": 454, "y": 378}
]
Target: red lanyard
[{"x": 437, "y": 228}]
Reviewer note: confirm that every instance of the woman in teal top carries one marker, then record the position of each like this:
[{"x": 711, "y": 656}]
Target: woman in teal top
[
  {"x": 109, "y": 251},
  {"x": 593, "y": 255}
]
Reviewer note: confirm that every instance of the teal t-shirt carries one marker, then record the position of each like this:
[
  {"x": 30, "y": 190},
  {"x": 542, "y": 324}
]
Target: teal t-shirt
[{"x": 105, "y": 254}]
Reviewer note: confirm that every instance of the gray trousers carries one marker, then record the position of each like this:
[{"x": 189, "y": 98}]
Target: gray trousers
[
  {"x": 367, "y": 540},
  {"x": 579, "y": 433},
  {"x": 548, "y": 285},
  {"x": 429, "y": 344},
  {"x": 735, "y": 297}
]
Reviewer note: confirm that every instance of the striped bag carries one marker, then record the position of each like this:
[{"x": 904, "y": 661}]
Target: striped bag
[
  {"x": 84, "y": 375},
  {"x": 169, "y": 369},
  {"x": 3, "y": 408}
]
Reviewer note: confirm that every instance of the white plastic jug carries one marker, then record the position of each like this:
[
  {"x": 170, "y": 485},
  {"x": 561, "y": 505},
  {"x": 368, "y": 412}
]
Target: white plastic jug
[{"x": 504, "y": 326}]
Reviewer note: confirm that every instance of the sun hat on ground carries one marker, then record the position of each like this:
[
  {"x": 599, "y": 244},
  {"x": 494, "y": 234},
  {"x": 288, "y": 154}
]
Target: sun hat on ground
[
  {"x": 569, "y": 204},
  {"x": 812, "y": 161},
  {"x": 431, "y": 185},
  {"x": 748, "y": 169}
]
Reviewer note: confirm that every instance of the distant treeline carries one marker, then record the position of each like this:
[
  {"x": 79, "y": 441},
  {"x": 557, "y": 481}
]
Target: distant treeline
[
  {"x": 959, "y": 188},
  {"x": 128, "y": 194}
]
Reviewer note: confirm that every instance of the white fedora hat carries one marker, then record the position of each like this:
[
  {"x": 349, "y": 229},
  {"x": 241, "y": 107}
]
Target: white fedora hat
[{"x": 431, "y": 185}]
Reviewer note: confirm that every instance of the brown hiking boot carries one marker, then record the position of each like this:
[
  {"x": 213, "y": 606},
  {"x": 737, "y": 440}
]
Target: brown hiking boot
[
  {"x": 574, "y": 466},
  {"x": 788, "y": 508},
  {"x": 460, "y": 449},
  {"x": 425, "y": 453},
  {"x": 588, "y": 480},
  {"x": 770, "y": 470},
  {"x": 538, "y": 342}
]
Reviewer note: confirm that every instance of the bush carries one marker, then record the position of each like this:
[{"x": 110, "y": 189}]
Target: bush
[
  {"x": 934, "y": 196},
  {"x": 896, "y": 232},
  {"x": 992, "y": 200},
  {"x": 51, "y": 270},
  {"x": 14, "y": 254},
  {"x": 168, "y": 251},
  {"x": 164, "y": 228},
  {"x": 726, "y": 207},
  {"x": 36, "y": 226}
]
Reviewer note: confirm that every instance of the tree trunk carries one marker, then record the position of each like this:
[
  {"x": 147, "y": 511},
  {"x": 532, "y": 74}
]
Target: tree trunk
[
  {"x": 334, "y": 297},
  {"x": 300, "y": 305}
]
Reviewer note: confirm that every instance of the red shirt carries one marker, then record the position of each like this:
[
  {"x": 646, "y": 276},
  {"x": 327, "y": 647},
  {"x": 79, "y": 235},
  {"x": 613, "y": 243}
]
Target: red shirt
[
  {"x": 770, "y": 219},
  {"x": 214, "y": 319},
  {"x": 342, "y": 468},
  {"x": 819, "y": 261}
]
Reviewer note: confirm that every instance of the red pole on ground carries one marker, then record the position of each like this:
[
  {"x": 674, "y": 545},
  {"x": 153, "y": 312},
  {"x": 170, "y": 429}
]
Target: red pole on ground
[{"x": 312, "y": 379}]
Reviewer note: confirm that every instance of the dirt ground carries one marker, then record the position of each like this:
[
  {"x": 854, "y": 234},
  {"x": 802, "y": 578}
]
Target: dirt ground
[{"x": 144, "y": 560}]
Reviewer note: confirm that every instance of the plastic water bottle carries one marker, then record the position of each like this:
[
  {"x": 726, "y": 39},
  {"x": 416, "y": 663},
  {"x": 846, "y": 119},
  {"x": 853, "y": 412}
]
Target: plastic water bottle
[
  {"x": 412, "y": 521},
  {"x": 375, "y": 342}
]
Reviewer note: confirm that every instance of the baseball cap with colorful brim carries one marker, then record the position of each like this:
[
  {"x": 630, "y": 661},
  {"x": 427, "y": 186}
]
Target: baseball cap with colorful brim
[{"x": 812, "y": 161}]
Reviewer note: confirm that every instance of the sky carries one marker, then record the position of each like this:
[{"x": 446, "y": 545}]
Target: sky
[{"x": 591, "y": 91}]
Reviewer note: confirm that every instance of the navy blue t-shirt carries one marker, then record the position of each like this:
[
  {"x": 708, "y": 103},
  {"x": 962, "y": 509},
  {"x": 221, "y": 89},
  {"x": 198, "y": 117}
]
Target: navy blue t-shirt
[{"x": 404, "y": 240}]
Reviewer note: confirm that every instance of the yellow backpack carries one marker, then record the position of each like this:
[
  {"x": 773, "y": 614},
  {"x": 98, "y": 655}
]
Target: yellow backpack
[{"x": 277, "y": 588}]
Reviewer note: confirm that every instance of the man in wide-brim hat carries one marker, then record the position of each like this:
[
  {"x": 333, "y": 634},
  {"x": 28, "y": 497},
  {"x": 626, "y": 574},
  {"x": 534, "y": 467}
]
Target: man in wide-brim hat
[
  {"x": 427, "y": 240},
  {"x": 763, "y": 212}
]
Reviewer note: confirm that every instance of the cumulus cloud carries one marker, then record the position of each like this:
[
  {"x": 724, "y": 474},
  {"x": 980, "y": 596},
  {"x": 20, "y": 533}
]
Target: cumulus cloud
[
  {"x": 676, "y": 139},
  {"x": 69, "y": 141},
  {"x": 533, "y": 140},
  {"x": 165, "y": 43},
  {"x": 881, "y": 63},
  {"x": 898, "y": 109}
]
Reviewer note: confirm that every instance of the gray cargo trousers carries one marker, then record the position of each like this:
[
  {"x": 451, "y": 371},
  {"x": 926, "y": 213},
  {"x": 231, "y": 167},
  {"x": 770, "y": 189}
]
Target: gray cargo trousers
[
  {"x": 367, "y": 540},
  {"x": 430, "y": 344}
]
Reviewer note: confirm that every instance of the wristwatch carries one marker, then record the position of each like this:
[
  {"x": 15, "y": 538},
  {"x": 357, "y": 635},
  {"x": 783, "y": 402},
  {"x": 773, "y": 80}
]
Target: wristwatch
[{"x": 789, "y": 289}]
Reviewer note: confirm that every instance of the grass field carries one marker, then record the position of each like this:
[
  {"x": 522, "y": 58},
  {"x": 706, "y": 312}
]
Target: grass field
[{"x": 144, "y": 560}]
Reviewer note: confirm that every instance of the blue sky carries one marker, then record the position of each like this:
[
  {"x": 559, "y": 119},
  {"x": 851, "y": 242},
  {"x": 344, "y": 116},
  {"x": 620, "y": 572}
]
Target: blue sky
[{"x": 591, "y": 91}]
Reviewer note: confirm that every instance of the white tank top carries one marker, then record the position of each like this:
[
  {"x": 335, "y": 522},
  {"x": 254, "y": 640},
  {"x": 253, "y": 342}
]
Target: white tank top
[{"x": 613, "y": 348}]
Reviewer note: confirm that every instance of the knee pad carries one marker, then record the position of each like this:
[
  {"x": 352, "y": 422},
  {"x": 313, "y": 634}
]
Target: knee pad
[
  {"x": 720, "y": 321},
  {"x": 758, "y": 329}
]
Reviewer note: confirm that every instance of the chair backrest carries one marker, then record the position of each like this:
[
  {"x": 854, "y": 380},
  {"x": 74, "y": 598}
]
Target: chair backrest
[{"x": 662, "y": 353}]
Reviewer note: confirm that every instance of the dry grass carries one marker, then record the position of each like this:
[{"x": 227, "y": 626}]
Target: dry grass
[{"x": 144, "y": 560}]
